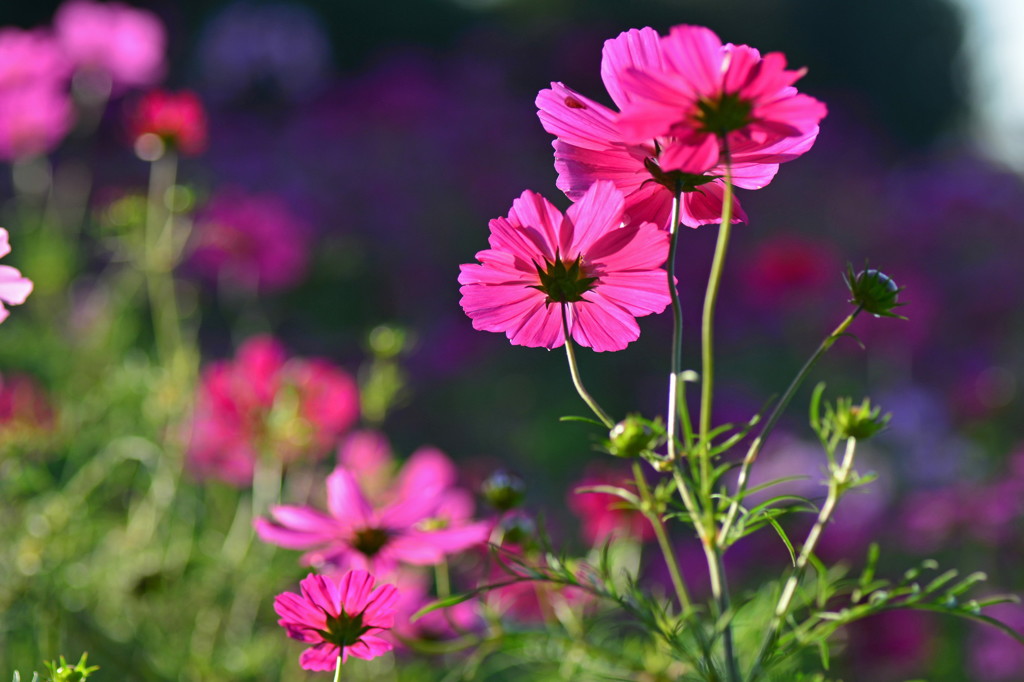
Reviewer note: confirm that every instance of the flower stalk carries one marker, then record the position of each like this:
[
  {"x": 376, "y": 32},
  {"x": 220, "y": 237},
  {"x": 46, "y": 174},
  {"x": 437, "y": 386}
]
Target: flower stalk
[{"x": 575, "y": 372}]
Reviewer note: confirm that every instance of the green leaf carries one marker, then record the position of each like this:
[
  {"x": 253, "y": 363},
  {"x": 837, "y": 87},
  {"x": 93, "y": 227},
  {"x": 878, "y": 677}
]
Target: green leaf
[
  {"x": 789, "y": 545},
  {"x": 576, "y": 418}
]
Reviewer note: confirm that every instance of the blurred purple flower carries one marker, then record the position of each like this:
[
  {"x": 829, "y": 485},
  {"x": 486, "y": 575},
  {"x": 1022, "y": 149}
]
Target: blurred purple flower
[
  {"x": 995, "y": 656},
  {"x": 276, "y": 46},
  {"x": 112, "y": 41},
  {"x": 250, "y": 241},
  {"x": 33, "y": 121}
]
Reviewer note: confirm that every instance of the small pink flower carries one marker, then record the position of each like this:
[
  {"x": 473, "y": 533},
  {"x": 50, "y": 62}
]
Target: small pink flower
[
  {"x": 421, "y": 519},
  {"x": 14, "y": 288},
  {"x": 262, "y": 402},
  {"x": 177, "y": 118},
  {"x": 604, "y": 515},
  {"x": 340, "y": 619},
  {"x": 254, "y": 241},
  {"x": 34, "y": 119},
  {"x": 589, "y": 145},
  {"x": 122, "y": 43},
  {"x": 705, "y": 95},
  {"x": 602, "y": 274}
]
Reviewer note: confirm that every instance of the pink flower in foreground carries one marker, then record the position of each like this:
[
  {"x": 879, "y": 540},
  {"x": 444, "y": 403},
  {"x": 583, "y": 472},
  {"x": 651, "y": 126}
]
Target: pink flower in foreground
[
  {"x": 339, "y": 619},
  {"x": 706, "y": 99},
  {"x": 589, "y": 146},
  {"x": 421, "y": 519},
  {"x": 177, "y": 118},
  {"x": 14, "y": 288},
  {"x": 264, "y": 403},
  {"x": 584, "y": 265},
  {"x": 122, "y": 43},
  {"x": 253, "y": 241}
]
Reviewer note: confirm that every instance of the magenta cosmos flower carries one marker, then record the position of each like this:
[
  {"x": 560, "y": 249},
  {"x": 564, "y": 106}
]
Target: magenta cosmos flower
[
  {"x": 706, "y": 99},
  {"x": 14, "y": 288},
  {"x": 419, "y": 520},
  {"x": 177, "y": 118},
  {"x": 339, "y": 619},
  {"x": 589, "y": 145},
  {"x": 585, "y": 265},
  {"x": 112, "y": 40},
  {"x": 265, "y": 404}
]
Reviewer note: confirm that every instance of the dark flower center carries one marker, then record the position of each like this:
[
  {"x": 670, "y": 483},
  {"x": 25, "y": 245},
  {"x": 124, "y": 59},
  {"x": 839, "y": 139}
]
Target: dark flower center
[
  {"x": 343, "y": 630},
  {"x": 677, "y": 180},
  {"x": 563, "y": 283},
  {"x": 724, "y": 115},
  {"x": 369, "y": 541}
]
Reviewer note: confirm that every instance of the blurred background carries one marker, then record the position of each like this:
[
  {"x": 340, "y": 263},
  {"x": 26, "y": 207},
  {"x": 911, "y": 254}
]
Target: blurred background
[{"x": 370, "y": 143}]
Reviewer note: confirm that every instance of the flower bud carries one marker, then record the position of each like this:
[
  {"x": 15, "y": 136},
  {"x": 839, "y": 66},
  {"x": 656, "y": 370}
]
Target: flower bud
[
  {"x": 517, "y": 529},
  {"x": 855, "y": 421},
  {"x": 633, "y": 436},
  {"x": 503, "y": 490},
  {"x": 874, "y": 291}
]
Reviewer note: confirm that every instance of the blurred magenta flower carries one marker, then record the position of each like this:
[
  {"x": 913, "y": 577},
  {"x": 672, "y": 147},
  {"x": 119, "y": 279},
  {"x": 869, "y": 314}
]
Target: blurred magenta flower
[
  {"x": 340, "y": 619},
  {"x": 33, "y": 120},
  {"x": 25, "y": 409},
  {"x": 177, "y": 118},
  {"x": 789, "y": 269},
  {"x": 995, "y": 656},
  {"x": 707, "y": 102},
  {"x": 419, "y": 520},
  {"x": 31, "y": 58},
  {"x": 264, "y": 404},
  {"x": 603, "y": 515},
  {"x": 584, "y": 265},
  {"x": 14, "y": 288},
  {"x": 112, "y": 41},
  {"x": 254, "y": 241}
]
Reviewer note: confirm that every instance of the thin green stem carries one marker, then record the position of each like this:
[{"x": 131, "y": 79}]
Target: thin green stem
[
  {"x": 755, "y": 447},
  {"x": 836, "y": 486},
  {"x": 159, "y": 259},
  {"x": 677, "y": 326},
  {"x": 575, "y": 372},
  {"x": 337, "y": 669},
  {"x": 659, "y": 532}
]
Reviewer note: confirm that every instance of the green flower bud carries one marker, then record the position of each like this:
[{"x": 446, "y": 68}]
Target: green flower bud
[
  {"x": 855, "y": 421},
  {"x": 63, "y": 672},
  {"x": 634, "y": 436},
  {"x": 517, "y": 529},
  {"x": 503, "y": 490},
  {"x": 874, "y": 291}
]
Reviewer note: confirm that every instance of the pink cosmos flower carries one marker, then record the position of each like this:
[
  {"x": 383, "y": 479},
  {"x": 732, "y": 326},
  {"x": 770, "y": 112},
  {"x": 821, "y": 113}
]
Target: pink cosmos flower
[
  {"x": 340, "y": 619},
  {"x": 705, "y": 94},
  {"x": 30, "y": 58},
  {"x": 254, "y": 241},
  {"x": 589, "y": 145},
  {"x": 603, "y": 515},
  {"x": 421, "y": 519},
  {"x": 585, "y": 265},
  {"x": 112, "y": 40},
  {"x": 177, "y": 118},
  {"x": 33, "y": 120},
  {"x": 263, "y": 402},
  {"x": 14, "y": 288}
]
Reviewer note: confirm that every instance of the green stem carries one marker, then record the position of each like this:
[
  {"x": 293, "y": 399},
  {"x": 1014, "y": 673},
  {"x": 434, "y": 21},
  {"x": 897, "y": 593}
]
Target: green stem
[
  {"x": 836, "y": 487},
  {"x": 773, "y": 418},
  {"x": 159, "y": 260},
  {"x": 575, "y": 372},
  {"x": 337, "y": 670},
  {"x": 659, "y": 531},
  {"x": 677, "y": 326}
]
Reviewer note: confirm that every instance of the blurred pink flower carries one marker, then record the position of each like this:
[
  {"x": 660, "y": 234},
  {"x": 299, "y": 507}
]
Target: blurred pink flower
[
  {"x": 264, "y": 403},
  {"x": 340, "y": 619},
  {"x": 112, "y": 40},
  {"x": 177, "y": 118},
  {"x": 604, "y": 515},
  {"x": 420, "y": 519},
  {"x": 26, "y": 413},
  {"x": 253, "y": 240},
  {"x": 586, "y": 263},
  {"x": 33, "y": 120},
  {"x": 14, "y": 288},
  {"x": 438, "y": 624},
  {"x": 31, "y": 58},
  {"x": 788, "y": 269},
  {"x": 707, "y": 101}
]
